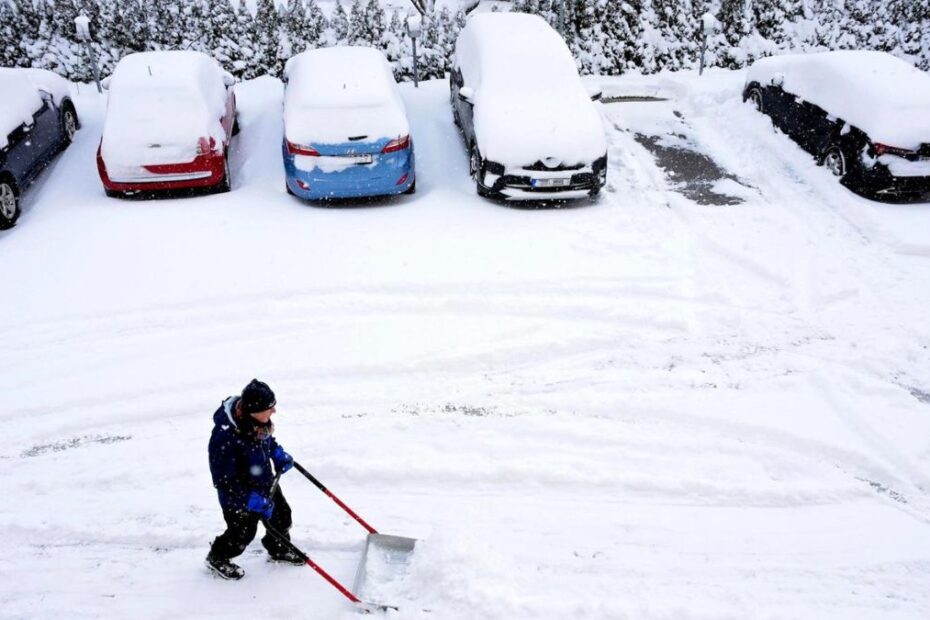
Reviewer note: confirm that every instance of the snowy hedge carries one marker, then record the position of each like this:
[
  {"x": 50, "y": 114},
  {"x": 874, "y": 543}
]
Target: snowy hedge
[{"x": 606, "y": 36}]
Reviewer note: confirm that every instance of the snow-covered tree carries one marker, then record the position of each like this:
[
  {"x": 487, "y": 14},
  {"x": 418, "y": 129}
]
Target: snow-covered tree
[{"x": 339, "y": 23}]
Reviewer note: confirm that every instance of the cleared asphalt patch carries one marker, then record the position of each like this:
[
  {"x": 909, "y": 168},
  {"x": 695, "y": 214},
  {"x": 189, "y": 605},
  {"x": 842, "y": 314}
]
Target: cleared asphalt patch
[{"x": 693, "y": 174}]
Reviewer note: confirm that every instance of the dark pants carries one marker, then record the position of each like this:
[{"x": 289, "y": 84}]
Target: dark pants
[{"x": 241, "y": 527}]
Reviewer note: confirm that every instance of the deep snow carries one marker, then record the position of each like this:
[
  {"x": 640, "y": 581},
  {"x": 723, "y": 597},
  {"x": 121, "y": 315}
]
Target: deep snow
[{"x": 635, "y": 408}]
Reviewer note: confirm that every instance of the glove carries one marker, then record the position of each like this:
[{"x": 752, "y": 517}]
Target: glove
[
  {"x": 282, "y": 460},
  {"x": 260, "y": 504}
]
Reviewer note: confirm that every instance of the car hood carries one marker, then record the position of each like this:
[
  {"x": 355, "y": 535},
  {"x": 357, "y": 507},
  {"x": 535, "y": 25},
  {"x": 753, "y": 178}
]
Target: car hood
[{"x": 520, "y": 130}]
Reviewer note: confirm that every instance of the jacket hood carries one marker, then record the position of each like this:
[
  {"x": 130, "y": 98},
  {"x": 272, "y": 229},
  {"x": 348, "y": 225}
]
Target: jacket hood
[{"x": 224, "y": 415}]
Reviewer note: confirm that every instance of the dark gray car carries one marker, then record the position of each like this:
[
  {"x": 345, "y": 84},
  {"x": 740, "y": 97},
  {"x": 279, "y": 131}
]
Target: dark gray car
[{"x": 47, "y": 122}]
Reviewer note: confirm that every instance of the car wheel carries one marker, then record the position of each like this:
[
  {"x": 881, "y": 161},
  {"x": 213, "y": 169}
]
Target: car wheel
[
  {"x": 69, "y": 124},
  {"x": 112, "y": 193},
  {"x": 235, "y": 127},
  {"x": 9, "y": 205},
  {"x": 412, "y": 189},
  {"x": 474, "y": 162},
  {"x": 287, "y": 188},
  {"x": 755, "y": 98},
  {"x": 835, "y": 162}
]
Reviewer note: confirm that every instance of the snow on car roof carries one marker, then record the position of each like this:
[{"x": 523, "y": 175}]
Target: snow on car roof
[
  {"x": 20, "y": 101},
  {"x": 165, "y": 98},
  {"x": 529, "y": 103},
  {"x": 882, "y": 95},
  {"x": 336, "y": 92},
  {"x": 515, "y": 50}
]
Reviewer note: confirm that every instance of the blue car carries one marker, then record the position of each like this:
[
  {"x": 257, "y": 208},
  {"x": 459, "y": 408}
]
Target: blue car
[
  {"x": 346, "y": 133},
  {"x": 37, "y": 121}
]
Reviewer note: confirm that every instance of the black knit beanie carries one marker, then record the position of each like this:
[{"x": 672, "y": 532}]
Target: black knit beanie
[{"x": 257, "y": 396}]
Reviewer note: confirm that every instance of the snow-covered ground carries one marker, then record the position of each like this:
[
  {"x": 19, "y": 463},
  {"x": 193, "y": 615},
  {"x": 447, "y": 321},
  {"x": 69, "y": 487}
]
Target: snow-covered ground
[{"x": 642, "y": 407}]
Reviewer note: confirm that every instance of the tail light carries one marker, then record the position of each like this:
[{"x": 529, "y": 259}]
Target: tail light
[
  {"x": 884, "y": 149},
  {"x": 397, "y": 144},
  {"x": 402, "y": 179},
  {"x": 205, "y": 146},
  {"x": 299, "y": 149}
]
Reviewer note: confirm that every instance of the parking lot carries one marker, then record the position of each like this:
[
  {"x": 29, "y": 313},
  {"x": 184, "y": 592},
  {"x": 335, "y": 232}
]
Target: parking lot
[{"x": 466, "y": 370}]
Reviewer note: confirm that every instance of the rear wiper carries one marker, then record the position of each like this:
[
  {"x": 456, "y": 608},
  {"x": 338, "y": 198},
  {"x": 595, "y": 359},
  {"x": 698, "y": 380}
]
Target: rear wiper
[{"x": 356, "y": 138}]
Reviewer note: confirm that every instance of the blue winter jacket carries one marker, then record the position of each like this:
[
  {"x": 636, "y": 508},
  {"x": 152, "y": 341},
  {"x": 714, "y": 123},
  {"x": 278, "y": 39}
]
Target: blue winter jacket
[{"x": 240, "y": 463}]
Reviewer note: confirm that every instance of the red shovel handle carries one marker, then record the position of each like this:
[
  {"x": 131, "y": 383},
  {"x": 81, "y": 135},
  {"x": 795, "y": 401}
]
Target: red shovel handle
[{"x": 329, "y": 494}]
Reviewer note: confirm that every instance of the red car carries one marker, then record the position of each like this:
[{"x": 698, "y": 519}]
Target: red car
[{"x": 170, "y": 118}]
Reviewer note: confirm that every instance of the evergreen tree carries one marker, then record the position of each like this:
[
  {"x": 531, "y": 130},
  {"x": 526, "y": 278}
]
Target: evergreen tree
[
  {"x": 678, "y": 27},
  {"x": 316, "y": 24},
  {"x": 223, "y": 36},
  {"x": 11, "y": 55},
  {"x": 339, "y": 23},
  {"x": 268, "y": 41},
  {"x": 374, "y": 22},
  {"x": 294, "y": 24}
]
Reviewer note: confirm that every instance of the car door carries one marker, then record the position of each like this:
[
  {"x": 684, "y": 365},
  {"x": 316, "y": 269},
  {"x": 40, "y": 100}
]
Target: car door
[
  {"x": 818, "y": 128},
  {"x": 21, "y": 155},
  {"x": 782, "y": 108},
  {"x": 47, "y": 130}
]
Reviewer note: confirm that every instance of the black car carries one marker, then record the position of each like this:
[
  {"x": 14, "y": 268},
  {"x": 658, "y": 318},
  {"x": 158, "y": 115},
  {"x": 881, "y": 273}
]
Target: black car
[
  {"x": 37, "y": 121},
  {"x": 529, "y": 124},
  {"x": 864, "y": 115}
]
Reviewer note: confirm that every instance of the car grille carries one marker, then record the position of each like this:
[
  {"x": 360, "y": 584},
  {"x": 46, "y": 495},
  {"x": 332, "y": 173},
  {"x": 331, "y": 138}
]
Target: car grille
[{"x": 539, "y": 165}]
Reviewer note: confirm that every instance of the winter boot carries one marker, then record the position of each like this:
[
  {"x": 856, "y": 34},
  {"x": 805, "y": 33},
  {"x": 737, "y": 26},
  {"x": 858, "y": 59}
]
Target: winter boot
[
  {"x": 286, "y": 556},
  {"x": 224, "y": 568}
]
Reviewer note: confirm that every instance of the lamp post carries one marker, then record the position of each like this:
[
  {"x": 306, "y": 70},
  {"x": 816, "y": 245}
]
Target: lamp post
[
  {"x": 414, "y": 28},
  {"x": 708, "y": 25},
  {"x": 82, "y": 27}
]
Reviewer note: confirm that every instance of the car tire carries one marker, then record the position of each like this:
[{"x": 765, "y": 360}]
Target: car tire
[
  {"x": 235, "y": 127},
  {"x": 9, "y": 205},
  {"x": 68, "y": 124},
  {"x": 112, "y": 193},
  {"x": 412, "y": 189},
  {"x": 755, "y": 98},
  {"x": 834, "y": 161},
  {"x": 287, "y": 188}
]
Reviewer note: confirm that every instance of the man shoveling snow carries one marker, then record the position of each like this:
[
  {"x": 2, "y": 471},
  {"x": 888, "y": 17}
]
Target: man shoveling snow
[{"x": 242, "y": 450}]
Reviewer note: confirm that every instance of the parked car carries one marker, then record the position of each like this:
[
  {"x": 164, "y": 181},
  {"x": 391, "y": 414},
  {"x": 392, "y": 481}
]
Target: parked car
[
  {"x": 864, "y": 115},
  {"x": 346, "y": 133},
  {"x": 170, "y": 117},
  {"x": 530, "y": 126},
  {"x": 37, "y": 121}
]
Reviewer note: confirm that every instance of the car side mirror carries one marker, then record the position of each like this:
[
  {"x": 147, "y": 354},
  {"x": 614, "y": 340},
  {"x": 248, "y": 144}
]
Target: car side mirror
[
  {"x": 284, "y": 78},
  {"x": 467, "y": 94},
  {"x": 778, "y": 79},
  {"x": 46, "y": 96},
  {"x": 228, "y": 79},
  {"x": 595, "y": 94},
  {"x": 105, "y": 83}
]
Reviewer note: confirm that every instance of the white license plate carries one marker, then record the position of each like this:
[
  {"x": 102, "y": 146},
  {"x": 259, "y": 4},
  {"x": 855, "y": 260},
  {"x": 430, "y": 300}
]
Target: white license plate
[
  {"x": 358, "y": 159},
  {"x": 551, "y": 182}
]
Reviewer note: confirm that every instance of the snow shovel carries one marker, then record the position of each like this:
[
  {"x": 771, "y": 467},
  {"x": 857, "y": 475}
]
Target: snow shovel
[
  {"x": 398, "y": 547},
  {"x": 392, "y": 551}
]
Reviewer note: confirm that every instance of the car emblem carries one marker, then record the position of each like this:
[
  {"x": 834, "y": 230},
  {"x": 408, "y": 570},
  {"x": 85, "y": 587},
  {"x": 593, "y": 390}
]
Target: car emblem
[
  {"x": 552, "y": 162},
  {"x": 154, "y": 146}
]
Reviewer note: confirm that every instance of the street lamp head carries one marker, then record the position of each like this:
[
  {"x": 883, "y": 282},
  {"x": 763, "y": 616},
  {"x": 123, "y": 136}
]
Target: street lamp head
[
  {"x": 709, "y": 23},
  {"x": 82, "y": 27},
  {"x": 414, "y": 25}
]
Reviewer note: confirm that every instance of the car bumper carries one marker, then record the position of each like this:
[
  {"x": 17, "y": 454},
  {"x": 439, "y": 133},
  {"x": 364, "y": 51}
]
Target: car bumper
[
  {"x": 203, "y": 171},
  {"x": 880, "y": 181},
  {"x": 521, "y": 184},
  {"x": 389, "y": 174}
]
